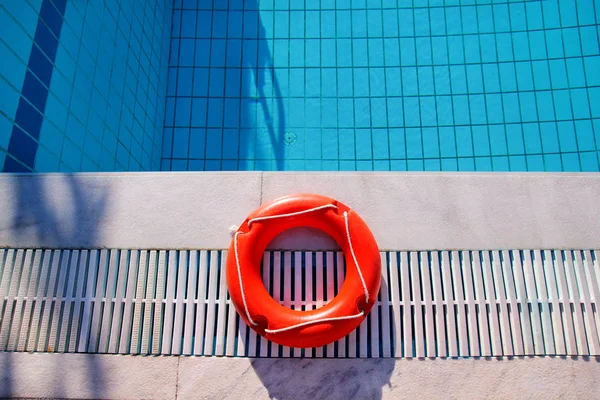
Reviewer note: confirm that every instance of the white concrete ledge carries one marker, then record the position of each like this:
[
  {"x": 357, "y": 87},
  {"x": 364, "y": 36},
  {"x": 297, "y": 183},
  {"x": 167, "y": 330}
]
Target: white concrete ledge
[
  {"x": 133, "y": 377},
  {"x": 406, "y": 211}
]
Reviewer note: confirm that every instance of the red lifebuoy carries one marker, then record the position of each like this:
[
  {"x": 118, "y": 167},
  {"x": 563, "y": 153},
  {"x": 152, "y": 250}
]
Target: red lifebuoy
[{"x": 317, "y": 327}]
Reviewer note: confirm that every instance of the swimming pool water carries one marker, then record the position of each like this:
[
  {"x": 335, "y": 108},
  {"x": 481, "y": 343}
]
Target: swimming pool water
[
  {"x": 485, "y": 85},
  {"x": 384, "y": 85}
]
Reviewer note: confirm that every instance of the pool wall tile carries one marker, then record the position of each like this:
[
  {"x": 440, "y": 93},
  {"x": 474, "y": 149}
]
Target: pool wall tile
[{"x": 82, "y": 76}]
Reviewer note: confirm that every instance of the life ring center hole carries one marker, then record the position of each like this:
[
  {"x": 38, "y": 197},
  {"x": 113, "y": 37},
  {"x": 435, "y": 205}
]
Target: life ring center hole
[{"x": 303, "y": 269}]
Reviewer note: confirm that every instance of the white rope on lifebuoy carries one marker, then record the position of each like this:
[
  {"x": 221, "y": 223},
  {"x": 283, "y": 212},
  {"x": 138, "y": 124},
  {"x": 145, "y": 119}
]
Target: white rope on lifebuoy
[
  {"x": 289, "y": 328},
  {"x": 251, "y": 221}
]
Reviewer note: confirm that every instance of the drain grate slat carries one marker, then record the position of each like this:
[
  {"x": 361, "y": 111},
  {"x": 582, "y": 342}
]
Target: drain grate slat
[{"x": 432, "y": 304}]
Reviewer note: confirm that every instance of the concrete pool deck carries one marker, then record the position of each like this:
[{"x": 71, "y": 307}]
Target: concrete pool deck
[
  {"x": 133, "y": 377},
  {"x": 406, "y": 212}
]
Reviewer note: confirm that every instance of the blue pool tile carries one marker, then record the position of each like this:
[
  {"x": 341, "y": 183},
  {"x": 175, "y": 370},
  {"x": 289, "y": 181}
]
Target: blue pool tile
[
  {"x": 567, "y": 137},
  {"x": 491, "y": 81},
  {"x": 398, "y": 165},
  {"x": 508, "y": 77},
  {"x": 537, "y": 45},
  {"x": 594, "y": 97},
  {"x": 40, "y": 65},
  {"x": 5, "y": 132},
  {"x": 528, "y": 107},
  {"x": 347, "y": 165},
  {"x": 504, "y": 45},
  {"x": 514, "y": 138},
  {"x": 589, "y": 40},
  {"x": 440, "y": 51},
  {"x": 380, "y": 143},
  {"x": 428, "y": 111},
  {"x": 184, "y": 81},
  {"x": 425, "y": 77},
  {"x": 521, "y": 46},
  {"x": 214, "y": 143},
  {"x": 226, "y": 165},
  {"x": 524, "y": 75},
  {"x": 549, "y": 137},
  {"x": 197, "y": 143},
  {"x": 481, "y": 144},
  {"x": 407, "y": 51},
  {"x": 423, "y": 49},
  {"x": 329, "y": 111},
  {"x": 378, "y": 113},
  {"x": 478, "y": 109},
  {"x": 571, "y": 162},
  {"x": 562, "y": 104},
  {"x": 545, "y": 106},
  {"x": 181, "y": 138},
  {"x": 495, "y": 113},
  {"x": 512, "y": 112},
  {"x": 412, "y": 112},
  {"x": 182, "y": 165},
  {"x": 414, "y": 143},
  {"x": 28, "y": 118},
  {"x": 363, "y": 144},
  {"x": 517, "y": 163},
  {"x": 381, "y": 165},
  {"x": 46, "y": 161},
  {"x": 580, "y": 101},
  {"x": 575, "y": 72},
  {"x": 461, "y": 110},
  {"x": 592, "y": 66},
  {"x": 35, "y": 92},
  {"x": 377, "y": 82},
  {"x": 449, "y": 164},
  {"x": 329, "y": 142},
  {"x": 22, "y": 146},
  {"x": 415, "y": 165},
  {"x": 572, "y": 42},
  {"x": 472, "y": 49},
  {"x": 182, "y": 111},
  {"x": 447, "y": 142},
  {"x": 589, "y": 161},
  {"x": 535, "y": 163},
  {"x": 497, "y": 137},
  {"x": 458, "y": 79},
  {"x": 466, "y": 164},
  {"x": 445, "y": 115},
  {"x": 455, "y": 50},
  {"x": 500, "y": 164},
  {"x": 432, "y": 165},
  {"x": 346, "y": 145},
  {"x": 312, "y": 150},
  {"x": 390, "y": 22},
  {"x": 430, "y": 143},
  {"x": 167, "y": 144},
  {"x": 541, "y": 75},
  {"x": 552, "y": 163},
  {"x": 531, "y": 135},
  {"x": 397, "y": 143},
  {"x": 409, "y": 81},
  {"x": 585, "y": 136},
  {"x": 483, "y": 164}
]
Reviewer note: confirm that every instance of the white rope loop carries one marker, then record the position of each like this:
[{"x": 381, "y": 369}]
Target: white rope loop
[
  {"x": 331, "y": 319},
  {"x": 253, "y": 220},
  {"x": 362, "y": 279},
  {"x": 289, "y": 328},
  {"x": 239, "y": 271}
]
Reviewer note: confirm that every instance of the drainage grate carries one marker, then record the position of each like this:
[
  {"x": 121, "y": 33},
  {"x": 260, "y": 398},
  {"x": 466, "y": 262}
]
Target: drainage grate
[{"x": 432, "y": 304}]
